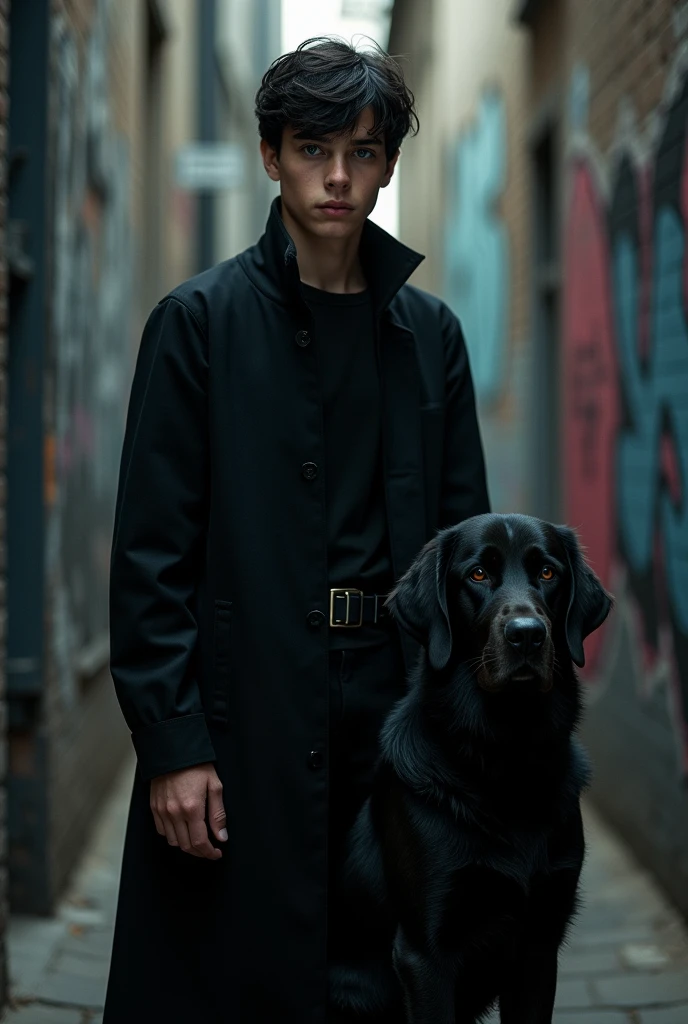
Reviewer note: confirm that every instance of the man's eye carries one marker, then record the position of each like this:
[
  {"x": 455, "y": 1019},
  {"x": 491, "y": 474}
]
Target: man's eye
[
  {"x": 311, "y": 149},
  {"x": 478, "y": 575},
  {"x": 364, "y": 154},
  {"x": 547, "y": 573}
]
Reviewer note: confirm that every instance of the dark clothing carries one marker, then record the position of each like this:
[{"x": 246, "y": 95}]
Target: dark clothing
[
  {"x": 358, "y": 552},
  {"x": 364, "y": 685},
  {"x": 219, "y": 606}
]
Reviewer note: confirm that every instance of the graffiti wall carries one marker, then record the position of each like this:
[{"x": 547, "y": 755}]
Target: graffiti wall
[
  {"x": 625, "y": 362},
  {"x": 90, "y": 342}
]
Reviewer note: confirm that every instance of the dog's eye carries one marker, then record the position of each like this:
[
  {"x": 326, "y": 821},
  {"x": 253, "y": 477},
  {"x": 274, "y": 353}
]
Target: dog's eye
[
  {"x": 479, "y": 575},
  {"x": 547, "y": 573}
]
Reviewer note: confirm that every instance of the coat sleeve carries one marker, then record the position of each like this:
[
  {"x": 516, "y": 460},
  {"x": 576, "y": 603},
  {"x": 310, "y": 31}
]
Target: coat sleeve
[
  {"x": 464, "y": 487},
  {"x": 160, "y": 521}
]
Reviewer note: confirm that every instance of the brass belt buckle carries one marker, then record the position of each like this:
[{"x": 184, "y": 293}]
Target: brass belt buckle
[{"x": 347, "y": 594}]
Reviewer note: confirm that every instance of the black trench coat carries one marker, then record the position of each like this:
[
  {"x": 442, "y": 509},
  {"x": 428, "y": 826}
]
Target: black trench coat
[{"x": 219, "y": 606}]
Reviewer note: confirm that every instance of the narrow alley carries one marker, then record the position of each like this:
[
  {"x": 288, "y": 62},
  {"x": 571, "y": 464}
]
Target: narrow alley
[{"x": 627, "y": 961}]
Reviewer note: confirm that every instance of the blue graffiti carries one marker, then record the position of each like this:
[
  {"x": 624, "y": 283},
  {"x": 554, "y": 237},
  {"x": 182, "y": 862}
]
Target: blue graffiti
[
  {"x": 655, "y": 388},
  {"x": 579, "y": 98},
  {"x": 477, "y": 246}
]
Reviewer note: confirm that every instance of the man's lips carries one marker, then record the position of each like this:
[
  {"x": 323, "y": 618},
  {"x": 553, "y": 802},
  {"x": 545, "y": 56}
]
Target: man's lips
[{"x": 336, "y": 209}]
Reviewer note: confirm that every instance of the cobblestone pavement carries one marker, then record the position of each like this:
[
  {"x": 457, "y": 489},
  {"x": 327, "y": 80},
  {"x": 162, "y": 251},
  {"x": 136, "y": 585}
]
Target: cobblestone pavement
[{"x": 627, "y": 961}]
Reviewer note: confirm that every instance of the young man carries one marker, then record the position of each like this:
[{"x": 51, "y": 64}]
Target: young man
[{"x": 301, "y": 423}]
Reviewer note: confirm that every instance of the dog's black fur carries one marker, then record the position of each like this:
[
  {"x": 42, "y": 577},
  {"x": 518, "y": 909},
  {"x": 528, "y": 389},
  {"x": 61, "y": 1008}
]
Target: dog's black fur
[{"x": 464, "y": 863}]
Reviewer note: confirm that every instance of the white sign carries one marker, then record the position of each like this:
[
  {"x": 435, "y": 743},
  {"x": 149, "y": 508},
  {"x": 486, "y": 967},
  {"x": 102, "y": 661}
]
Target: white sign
[{"x": 209, "y": 166}]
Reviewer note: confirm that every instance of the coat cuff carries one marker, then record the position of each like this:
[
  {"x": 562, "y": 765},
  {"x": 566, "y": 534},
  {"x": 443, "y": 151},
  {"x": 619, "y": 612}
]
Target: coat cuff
[{"x": 172, "y": 744}]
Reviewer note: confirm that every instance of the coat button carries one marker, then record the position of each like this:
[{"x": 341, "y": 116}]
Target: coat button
[
  {"x": 315, "y": 618},
  {"x": 309, "y": 471},
  {"x": 316, "y": 759},
  {"x": 303, "y": 339}
]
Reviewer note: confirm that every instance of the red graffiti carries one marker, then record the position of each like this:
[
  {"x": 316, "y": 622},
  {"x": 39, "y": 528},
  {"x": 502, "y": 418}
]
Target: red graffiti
[{"x": 590, "y": 393}]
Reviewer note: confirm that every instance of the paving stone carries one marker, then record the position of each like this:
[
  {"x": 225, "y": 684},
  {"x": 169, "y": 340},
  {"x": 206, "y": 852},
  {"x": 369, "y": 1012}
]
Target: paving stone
[
  {"x": 639, "y": 990},
  {"x": 31, "y": 944},
  {"x": 667, "y": 1015},
  {"x": 592, "y": 1017},
  {"x": 599, "y": 961},
  {"x": 602, "y": 918},
  {"x": 89, "y": 943},
  {"x": 644, "y": 956},
  {"x": 581, "y": 939},
  {"x": 75, "y": 989},
  {"x": 572, "y": 995},
  {"x": 35, "y": 1013},
  {"x": 84, "y": 966}
]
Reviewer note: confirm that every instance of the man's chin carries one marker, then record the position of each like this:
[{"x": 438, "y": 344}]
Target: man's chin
[{"x": 331, "y": 227}]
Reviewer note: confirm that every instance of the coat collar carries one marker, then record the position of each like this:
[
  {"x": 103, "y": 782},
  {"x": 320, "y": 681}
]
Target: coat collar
[{"x": 272, "y": 263}]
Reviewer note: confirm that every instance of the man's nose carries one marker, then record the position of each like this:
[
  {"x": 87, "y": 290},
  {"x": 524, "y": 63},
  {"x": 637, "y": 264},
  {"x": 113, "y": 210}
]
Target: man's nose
[
  {"x": 338, "y": 175},
  {"x": 525, "y": 634}
]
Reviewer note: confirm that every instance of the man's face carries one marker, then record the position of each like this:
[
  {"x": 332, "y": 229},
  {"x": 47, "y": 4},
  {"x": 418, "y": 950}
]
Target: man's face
[{"x": 330, "y": 185}]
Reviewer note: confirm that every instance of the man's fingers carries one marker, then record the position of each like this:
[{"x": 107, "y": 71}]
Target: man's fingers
[
  {"x": 169, "y": 830},
  {"x": 159, "y": 827},
  {"x": 178, "y": 803},
  {"x": 216, "y": 810},
  {"x": 183, "y": 838},
  {"x": 200, "y": 844}
]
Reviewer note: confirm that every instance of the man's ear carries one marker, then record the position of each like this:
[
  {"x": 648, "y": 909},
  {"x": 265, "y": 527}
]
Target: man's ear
[
  {"x": 419, "y": 601},
  {"x": 589, "y": 603},
  {"x": 391, "y": 164},
  {"x": 270, "y": 160}
]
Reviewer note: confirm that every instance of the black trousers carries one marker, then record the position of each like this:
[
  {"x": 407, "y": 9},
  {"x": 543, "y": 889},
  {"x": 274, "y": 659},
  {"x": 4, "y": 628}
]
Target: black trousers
[{"x": 364, "y": 685}]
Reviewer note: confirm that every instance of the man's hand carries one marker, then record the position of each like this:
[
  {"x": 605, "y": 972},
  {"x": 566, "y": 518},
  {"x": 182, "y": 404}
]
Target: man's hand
[{"x": 178, "y": 804}]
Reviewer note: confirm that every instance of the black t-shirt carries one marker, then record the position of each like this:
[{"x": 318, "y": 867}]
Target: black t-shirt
[{"x": 358, "y": 545}]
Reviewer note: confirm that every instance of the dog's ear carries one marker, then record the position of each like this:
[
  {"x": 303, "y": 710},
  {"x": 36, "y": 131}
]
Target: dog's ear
[
  {"x": 589, "y": 603},
  {"x": 419, "y": 600}
]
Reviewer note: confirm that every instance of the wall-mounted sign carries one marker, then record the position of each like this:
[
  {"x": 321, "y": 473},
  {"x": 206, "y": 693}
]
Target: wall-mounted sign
[{"x": 210, "y": 166}]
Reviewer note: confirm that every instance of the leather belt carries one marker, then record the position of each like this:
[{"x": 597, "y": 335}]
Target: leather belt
[{"x": 352, "y": 608}]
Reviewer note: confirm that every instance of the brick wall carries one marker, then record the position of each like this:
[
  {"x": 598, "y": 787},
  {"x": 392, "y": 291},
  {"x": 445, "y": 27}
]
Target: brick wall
[{"x": 624, "y": 344}]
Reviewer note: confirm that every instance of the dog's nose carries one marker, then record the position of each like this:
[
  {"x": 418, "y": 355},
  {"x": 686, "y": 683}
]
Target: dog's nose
[{"x": 525, "y": 634}]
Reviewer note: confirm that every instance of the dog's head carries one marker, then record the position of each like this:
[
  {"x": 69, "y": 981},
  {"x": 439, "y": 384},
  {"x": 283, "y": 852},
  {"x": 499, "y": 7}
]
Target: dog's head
[{"x": 506, "y": 594}]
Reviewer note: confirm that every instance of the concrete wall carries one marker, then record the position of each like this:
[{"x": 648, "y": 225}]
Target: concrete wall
[{"x": 601, "y": 383}]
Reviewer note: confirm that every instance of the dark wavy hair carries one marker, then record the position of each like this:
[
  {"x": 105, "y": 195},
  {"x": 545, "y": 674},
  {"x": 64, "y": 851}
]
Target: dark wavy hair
[{"x": 321, "y": 87}]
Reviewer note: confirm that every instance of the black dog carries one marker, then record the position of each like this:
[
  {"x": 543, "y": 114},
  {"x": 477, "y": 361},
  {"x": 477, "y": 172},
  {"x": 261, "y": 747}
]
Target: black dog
[{"x": 464, "y": 863}]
